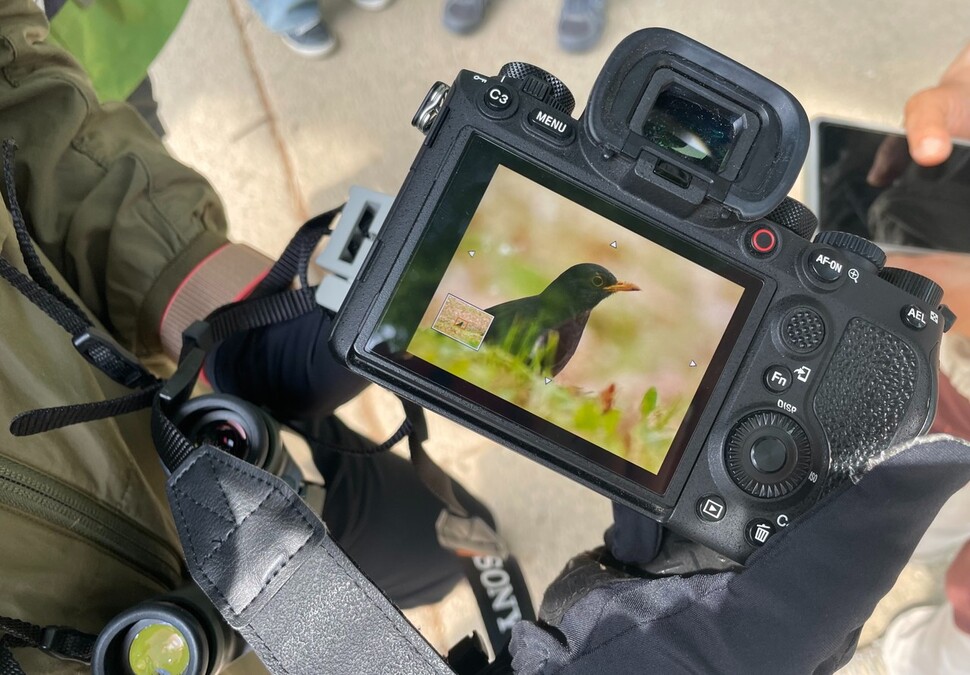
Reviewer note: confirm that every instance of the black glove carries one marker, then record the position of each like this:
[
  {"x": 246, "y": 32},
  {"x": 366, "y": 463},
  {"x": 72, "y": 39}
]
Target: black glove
[
  {"x": 287, "y": 368},
  {"x": 797, "y": 607}
]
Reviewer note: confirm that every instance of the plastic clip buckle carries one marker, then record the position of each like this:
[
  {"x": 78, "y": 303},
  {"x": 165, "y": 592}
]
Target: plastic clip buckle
[
  {"x": 350, "y": 242},
  {"x": 65, "y": 643},
  {"x": 101, "y": 351}
]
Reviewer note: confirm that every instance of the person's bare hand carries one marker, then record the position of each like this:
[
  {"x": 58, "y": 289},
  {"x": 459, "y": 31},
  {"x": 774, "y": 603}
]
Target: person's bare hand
[
  {"x": 958, "y": 588},
  {"x": 935, "y": 116}
]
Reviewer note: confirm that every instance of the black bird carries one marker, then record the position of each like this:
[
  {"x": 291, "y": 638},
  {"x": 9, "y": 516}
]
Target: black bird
[{"x": 525, "y": 327}]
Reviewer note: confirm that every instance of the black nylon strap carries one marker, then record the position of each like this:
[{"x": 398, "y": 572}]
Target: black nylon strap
[
  {"x": 34, "y": 265},
  {"x": 58, "y": 641},
  {"x": 45, "y": 419},
  {"x": 258, "y": 312},
  {"x": 43, "y": 299},
  {"x": 502, "y": 595},
  {"x": 8, "y": 664},
  {"x": 296, "y": 256}
]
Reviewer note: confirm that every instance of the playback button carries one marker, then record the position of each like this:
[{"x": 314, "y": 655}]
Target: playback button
[{"x": 711, "y": 508}]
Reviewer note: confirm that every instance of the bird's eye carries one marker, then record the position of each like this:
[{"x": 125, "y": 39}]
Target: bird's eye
[{"x": 598, "y": 281}]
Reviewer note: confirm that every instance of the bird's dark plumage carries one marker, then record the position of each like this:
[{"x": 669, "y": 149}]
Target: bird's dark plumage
[{"x": 526, "y": 327}]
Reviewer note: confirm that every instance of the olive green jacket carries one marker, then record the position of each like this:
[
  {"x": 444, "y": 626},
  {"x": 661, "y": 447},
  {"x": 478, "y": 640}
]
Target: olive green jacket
[{"x": 85, "y": 529}]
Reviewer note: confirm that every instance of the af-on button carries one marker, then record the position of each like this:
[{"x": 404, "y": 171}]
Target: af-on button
[{"x": 554, "y": 125}]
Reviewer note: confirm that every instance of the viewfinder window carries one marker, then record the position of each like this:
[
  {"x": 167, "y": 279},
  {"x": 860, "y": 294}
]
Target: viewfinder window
[{"x": 696, "y": 129}]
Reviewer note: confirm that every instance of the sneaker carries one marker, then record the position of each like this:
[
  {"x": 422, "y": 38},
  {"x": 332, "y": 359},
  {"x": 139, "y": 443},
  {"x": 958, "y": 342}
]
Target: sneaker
[
  {"x": 373, "y": 5},
  {"x": 464, "y": 16},
  {"x": 581, "y": 24},
  {"x": 314, "y": 41}
]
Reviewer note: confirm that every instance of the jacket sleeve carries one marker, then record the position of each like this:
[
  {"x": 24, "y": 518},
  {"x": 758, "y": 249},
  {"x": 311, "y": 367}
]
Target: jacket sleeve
[{"x": 122, "y": 221}]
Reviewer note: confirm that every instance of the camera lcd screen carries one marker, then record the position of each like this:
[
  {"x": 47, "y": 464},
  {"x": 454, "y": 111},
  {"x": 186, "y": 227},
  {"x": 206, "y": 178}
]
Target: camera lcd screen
[
  {"x": 566, "y": 315},
  {"x": 700, "y": 131}
]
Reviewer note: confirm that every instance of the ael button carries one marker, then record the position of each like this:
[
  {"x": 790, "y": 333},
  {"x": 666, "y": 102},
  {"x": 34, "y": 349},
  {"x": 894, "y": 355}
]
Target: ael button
[
  {"x": 762, "y": 241},
  {"x": 914, "y": 317}
]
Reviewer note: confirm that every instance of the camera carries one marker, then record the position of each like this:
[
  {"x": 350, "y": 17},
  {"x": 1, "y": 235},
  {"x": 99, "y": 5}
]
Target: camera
[{"x": 631, "y": 299}]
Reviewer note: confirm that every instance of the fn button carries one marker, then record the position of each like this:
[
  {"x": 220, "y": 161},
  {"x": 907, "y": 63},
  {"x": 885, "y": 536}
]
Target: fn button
[{"x": 778, "y": 379}]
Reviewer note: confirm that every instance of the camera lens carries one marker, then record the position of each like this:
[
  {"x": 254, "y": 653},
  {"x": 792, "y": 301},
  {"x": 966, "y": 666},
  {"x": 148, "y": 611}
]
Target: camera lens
[
  {"x": 695, "y": 129},
  {"x": 225, "y": 434}
]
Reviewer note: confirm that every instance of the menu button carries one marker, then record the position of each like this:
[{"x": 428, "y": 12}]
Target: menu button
[{"x": 552, "y": 124}]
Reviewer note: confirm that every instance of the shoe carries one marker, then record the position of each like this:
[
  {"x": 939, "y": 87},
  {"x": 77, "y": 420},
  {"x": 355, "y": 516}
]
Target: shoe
[
  {"x": 581, "y": 24},
  {"x": 372, "y": 5},
  {"x": 314, "y": 41},
  {"x": 464, "y": 16}
]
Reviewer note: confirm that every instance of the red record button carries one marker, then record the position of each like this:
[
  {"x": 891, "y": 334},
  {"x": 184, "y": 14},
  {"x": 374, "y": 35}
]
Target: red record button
[{"x": 763, "y": 241}]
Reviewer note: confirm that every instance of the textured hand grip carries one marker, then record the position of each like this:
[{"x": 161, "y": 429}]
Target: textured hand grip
[{"x": 864, "y": 397}]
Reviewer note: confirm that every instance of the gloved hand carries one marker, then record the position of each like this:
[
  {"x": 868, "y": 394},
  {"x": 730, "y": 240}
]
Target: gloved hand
[
  {"x": 287, "y": 368},
  {"x": 797, "y": 607}
]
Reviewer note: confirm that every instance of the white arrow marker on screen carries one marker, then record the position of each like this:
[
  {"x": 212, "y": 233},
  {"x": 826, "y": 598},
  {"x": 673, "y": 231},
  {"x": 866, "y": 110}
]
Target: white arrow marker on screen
[
  {"x": 613, "y": 244},
  {"x": 471, "y": 253},
  {"x": 548, "y": 380},
  {"x": 693, "y": 364}
]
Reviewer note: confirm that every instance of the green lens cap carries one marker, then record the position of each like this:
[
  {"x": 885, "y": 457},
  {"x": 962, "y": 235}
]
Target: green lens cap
[{"x": 159, "y": 649}]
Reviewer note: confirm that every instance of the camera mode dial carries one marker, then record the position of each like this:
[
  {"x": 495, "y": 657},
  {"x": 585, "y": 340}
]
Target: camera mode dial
[
  {"x": 853, "y": 244},
  {"x": 768, "y": 454},
  {"x": 540, "y": 84},
  {"x": 926, "y": 290}
]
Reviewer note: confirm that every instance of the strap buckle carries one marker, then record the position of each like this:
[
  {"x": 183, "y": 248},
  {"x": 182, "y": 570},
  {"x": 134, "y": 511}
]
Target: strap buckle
[
  {"x": 101, "y": 351},
  {"x": 68, "y": 644}
]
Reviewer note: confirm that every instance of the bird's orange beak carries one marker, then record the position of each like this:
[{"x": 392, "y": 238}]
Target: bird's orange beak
[{"x": 621, "y": 286}]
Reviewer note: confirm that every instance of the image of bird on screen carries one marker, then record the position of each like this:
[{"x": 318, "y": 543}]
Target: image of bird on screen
[
  {"x": 548, "y": 327},
  {"x": 573, "y": 318}
]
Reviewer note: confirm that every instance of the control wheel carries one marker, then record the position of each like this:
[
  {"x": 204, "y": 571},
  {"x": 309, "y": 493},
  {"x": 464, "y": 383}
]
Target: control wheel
[
  {"x": 541, "y": 85},
  {"x": 853, "y": 244},
  {"x": 768, "y": 454},
  {"x": 926, "y": 290}
]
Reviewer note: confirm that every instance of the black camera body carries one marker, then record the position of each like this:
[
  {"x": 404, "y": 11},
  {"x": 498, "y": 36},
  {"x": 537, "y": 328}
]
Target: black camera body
[{"x": 739, "y": 373}]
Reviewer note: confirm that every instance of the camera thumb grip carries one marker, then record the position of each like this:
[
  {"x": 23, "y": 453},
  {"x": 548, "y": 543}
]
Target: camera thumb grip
[{"x": 270, "y": 567}]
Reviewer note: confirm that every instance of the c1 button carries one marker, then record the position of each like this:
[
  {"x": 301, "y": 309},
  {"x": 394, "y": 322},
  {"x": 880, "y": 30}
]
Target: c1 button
[
  {"x": 711, "y": 508},
  {"x": 498, "y": 97},
  {"x": 763, "y": 241},
  {"x": 758, "y": 531},
  {"x": 778, "y": 379}
]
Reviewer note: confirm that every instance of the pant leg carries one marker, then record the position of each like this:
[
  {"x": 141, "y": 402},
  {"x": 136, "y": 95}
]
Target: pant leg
[
  {"x": 383, "y": 516},
  {"x": 284, "y": 16}
]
